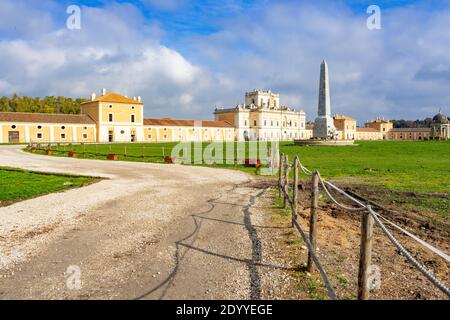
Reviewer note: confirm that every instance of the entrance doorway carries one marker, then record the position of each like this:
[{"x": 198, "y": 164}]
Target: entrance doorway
[
  {"x": 133, "y": 137},
  {"x": 110, "y": 136},
  {"x": 13, "y": 136}
]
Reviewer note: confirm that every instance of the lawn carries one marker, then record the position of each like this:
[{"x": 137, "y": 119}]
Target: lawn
[
  {"x": 422, "y": 166},
  {"x": 17, "y": 184}
]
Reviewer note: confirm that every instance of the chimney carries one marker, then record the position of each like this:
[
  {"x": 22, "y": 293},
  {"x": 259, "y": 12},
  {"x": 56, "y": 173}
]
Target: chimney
[
  {"x": 93, "y": 96},
  {"x": 139, "y": 98},
  {"x": 103, "y": 91}
]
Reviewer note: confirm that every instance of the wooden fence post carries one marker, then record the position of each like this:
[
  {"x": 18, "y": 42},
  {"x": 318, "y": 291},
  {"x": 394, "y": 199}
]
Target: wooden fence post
[
  {"x": 313, "y": 219},
  {"x": 365, "y": 255},
  {"x": 295, "y": 190},
  {"x": 286, "y": 181},
  {"x": 280, "y": 169}
]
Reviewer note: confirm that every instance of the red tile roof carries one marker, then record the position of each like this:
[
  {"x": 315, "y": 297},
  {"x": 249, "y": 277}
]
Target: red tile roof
[
  {"x": 186, "y": 123},
  {"x": 45, "y": 118},
  {"x": 114, "y": 97}
]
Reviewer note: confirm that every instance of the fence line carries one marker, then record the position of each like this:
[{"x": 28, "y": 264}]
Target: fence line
[
  {"x": 139, "y": 152},
  {"x": 415, "y": 238},
  {"x": 369, "y": 218}
]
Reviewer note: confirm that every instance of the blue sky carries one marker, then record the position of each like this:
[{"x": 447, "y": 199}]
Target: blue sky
[{"x": 185, "y": 57}]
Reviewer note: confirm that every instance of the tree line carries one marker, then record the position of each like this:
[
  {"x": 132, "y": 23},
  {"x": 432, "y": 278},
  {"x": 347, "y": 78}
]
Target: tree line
[
  {"x": 49, "y": 104},
  {"x": 426, "y": 123},
  {"x": 52, "y": 104}
]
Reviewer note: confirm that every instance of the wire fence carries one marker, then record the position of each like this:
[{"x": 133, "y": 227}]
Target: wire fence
[
  {"x": 369, "y": 218},
  {"x": 154, "y": 153}
]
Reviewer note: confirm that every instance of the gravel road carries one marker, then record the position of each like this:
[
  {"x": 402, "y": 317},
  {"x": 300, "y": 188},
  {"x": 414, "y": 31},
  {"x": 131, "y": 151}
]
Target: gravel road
[{"x": 148, "y": 231}]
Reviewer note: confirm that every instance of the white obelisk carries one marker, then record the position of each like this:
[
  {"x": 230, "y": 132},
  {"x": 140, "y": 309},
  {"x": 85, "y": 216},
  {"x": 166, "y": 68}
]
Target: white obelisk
[{"x": 324, "y": 125}]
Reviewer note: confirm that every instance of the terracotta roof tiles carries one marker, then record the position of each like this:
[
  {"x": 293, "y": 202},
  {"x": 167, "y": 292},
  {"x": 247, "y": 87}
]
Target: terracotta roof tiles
[
  {"x": 45, "y": 118},
  {"x": 113, "y": 97},
  {"x": 186, "y": 123}
]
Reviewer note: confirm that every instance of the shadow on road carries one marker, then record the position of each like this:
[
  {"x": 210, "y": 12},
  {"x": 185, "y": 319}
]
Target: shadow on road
[{"x": 252, "y": 264}]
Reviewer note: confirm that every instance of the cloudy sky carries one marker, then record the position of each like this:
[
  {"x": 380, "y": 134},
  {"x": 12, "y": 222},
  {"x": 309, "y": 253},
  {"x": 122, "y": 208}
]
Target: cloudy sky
[{"x": 186, "y": 57}]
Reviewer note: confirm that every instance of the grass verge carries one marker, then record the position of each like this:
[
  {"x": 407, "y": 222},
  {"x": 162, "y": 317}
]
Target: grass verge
[{"x": 17, "y": 184}]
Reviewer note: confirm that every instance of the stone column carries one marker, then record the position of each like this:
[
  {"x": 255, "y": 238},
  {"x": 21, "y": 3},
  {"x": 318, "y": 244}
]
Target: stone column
[{"x": 324, "y": 124}]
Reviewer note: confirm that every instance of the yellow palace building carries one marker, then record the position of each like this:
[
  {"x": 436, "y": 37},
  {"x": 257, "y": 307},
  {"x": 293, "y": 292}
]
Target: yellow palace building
[{"x": 110, "y": 117}]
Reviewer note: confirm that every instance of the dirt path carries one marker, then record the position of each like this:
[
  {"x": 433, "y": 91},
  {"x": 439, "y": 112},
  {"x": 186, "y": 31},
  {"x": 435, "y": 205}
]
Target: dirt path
[{"x": 148, "y": 232}]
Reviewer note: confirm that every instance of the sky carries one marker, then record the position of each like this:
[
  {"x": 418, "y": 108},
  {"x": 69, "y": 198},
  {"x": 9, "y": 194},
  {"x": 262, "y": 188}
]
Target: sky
[{"x": 186, "y": 57}]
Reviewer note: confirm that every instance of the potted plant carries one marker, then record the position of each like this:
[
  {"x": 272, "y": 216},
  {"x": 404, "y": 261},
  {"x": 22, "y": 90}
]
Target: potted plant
[
  {"x": 112, "y": 156},
  {"x": 252, "y": 163},
  {"x": 168, "y": 159}
]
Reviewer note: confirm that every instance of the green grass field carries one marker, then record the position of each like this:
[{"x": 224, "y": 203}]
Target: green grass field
[
  {"x": 397, "y": 165},
  {"x": 17, "y": 184},
  {"x": 422, "y": 166}
]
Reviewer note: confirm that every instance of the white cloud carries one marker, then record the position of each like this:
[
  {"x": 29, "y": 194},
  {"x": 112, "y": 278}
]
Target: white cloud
[
  {"x": 394, "y": 72},
  {"x": 400, "y": 71},
  {"x": 115, "y": 49}
]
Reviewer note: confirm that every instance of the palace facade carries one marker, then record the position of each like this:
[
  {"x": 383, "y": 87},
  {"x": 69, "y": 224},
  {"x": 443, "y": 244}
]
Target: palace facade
[
  {"x": 262, "y": 118},
  {"x": 112, "y": 117}
]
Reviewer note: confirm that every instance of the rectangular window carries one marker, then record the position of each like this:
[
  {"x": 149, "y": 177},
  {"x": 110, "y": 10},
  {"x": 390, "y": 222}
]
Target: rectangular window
[
  {"x": 63, "y": 135},
  {"x": 110, "y": 117},
  {"x": 39, "y": 135},
  {"x": 132, "y": 118},
  {"x": 84, "y": 136},
  {"x": 149, "y": 136},
  {"x": 254, "y": 122}
]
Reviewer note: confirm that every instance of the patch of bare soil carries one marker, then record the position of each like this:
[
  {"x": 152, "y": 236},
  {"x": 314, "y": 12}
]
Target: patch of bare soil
[
  {"x": 338, "y": 249},
  {"x": 428, "y": 222}
]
